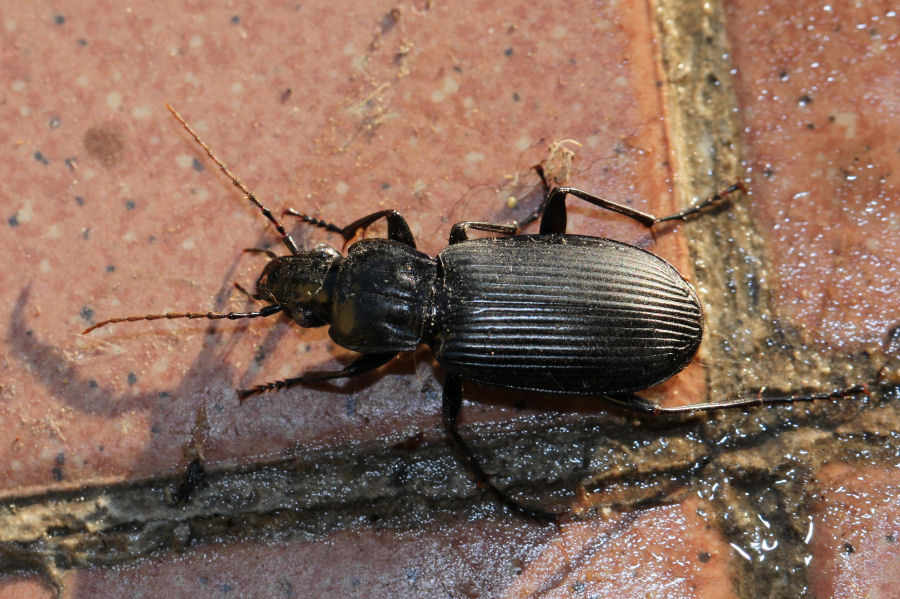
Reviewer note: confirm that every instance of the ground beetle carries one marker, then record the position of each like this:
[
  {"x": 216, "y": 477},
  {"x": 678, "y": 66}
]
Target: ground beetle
[{"x": 551, "y": 312}]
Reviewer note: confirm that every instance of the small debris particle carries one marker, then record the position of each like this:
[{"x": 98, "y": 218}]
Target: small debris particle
[
  {"x": 389, "y": 20},
  {"x": 41, "y": 158},
  {"x": 104, "y": 143},
  {"x": 132, "y": 378},
  {"x": 79, "y": 200},
  {"x": 129, "y": 205},
  {"x": 197, "y": 166},
  {"x": 236, "y": 20},
  {"x": 54, "y": 123},
  {"x": 87, "y": 314},
  {"x": 59, "y": 19},
  {"x": 508, "y": 51},
  {"x": 13, "y": 220}
]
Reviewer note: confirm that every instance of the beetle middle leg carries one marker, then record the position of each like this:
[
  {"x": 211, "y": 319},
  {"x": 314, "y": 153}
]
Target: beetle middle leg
[{"x": 452, "y": 403}]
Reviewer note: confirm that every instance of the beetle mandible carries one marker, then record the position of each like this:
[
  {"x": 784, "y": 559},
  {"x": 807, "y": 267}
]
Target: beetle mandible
[{"x": 551, "y": 312}]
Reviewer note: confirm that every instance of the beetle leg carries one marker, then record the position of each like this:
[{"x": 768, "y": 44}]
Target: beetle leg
[
  {"x": 398, "y": 229},
  {"x": 553, "y": 210},
  {"x": 452, "y": 404},
  {"x": 268, "y": 253},
  {"x": 635, "y": 402},
  {"x": 364, "y": 363},
  {"x": 460, "y": 231}
]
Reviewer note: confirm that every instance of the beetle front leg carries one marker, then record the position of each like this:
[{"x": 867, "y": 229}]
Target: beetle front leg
[
  {"x": 452, "y": 403},
  {"x": 398, "y": 229},
  {"x": 361, "y": 365}
]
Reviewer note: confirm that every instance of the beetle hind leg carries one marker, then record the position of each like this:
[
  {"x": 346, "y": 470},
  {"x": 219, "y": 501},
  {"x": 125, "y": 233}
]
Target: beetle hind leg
[
  {"x": 452, "y": 403},
  {"x": 636, "y": 403},
  {"x": 361, "y": 365}
]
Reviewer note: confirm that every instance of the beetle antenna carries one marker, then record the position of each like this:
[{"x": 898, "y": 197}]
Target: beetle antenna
[
  {"x": 285, "y": 238},
  {"x": 266, "y": 311}
]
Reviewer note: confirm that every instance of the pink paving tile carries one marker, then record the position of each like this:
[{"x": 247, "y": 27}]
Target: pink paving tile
[
  {"x": 817, "y": 88},
  {"x": 439, "y": 112},
  {"x": 856, "y": 545},
  {"x": 663, "y": 552},
  {"x": 25, "y": 587}
]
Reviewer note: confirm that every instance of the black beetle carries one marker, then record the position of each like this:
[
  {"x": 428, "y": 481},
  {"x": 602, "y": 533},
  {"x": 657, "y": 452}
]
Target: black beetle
[{"x": 551, "y": 312}]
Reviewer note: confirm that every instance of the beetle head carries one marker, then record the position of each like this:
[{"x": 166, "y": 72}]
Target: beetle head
[{"x": 302, "y": 284}]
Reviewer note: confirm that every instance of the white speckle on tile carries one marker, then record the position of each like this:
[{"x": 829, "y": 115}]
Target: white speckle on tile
[
  {"x": 847, "y": 120},
  {"x": 196, "y": 41},
  {"x": 82, "y": 81},
  {"x": 188, "y": 243},
  {"x": 473, "y": 157},
  {"x": 348, "y": 49},
  {"x": 468, "y": 102},
  {"x": 160, "y": 365},
  {"x": 53, "y": 231},
  {"x": 448, "y": 86},
  {"x": 15, "y": 465},
  {"x": 24, "y": 111},
  {"x": 184, "y": 161},
  {"x": 26, "y": 212},
  {"x": 128, "y": 236},
  {"x": 359, "y": 62},
  {"x": 9, "y": 25},
  {"x": 559, "y": 32},
  {"x": 191, "y": 79},
  {"x": 141, "y": 112},
  {"x": 17, "y": 85},
  {"x": 45, "y": 266},
  {"x": 201, "y": 194},
  {"x": 523, "y": 143},
  {"x": 341, "y": 187},
  {"x": 114, "y": 100},
  {"x": 451, "y": 86},
  {"x": 237, "y": 87}
]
